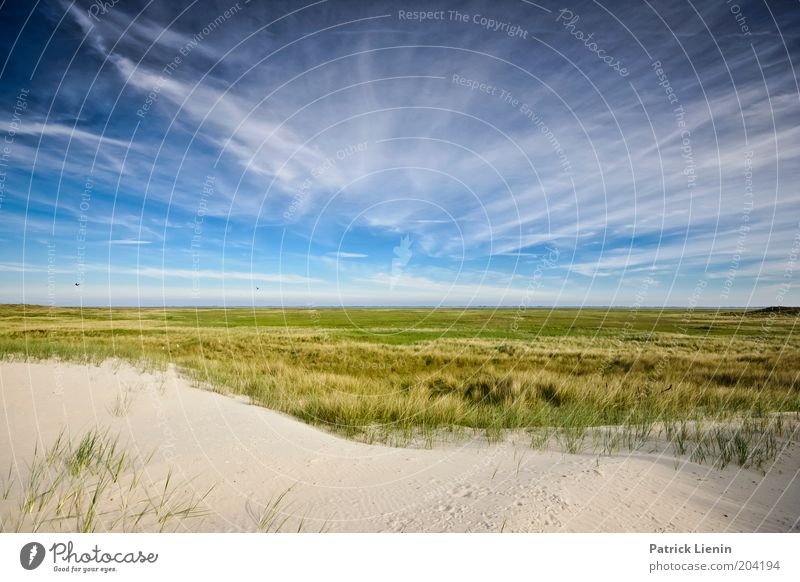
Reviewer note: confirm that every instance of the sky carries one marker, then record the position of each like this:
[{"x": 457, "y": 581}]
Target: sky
[{"x": 504, "y": 153}]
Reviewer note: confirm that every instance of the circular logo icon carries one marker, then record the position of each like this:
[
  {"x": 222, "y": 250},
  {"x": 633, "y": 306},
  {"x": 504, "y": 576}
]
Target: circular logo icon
[{"x": 31, "y": 555}]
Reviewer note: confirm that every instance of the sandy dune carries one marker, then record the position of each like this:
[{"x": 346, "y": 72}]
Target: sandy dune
[{"x": 251, "y": 455}]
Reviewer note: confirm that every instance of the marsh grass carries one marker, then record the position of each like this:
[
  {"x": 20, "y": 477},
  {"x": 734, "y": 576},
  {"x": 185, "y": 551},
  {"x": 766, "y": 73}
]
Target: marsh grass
[
  {"x": 415, "y": 377},
  {"x": 93, "y": 485},
  {"x": 748, "y": 442},
  {"x": 753, "y": 443}
]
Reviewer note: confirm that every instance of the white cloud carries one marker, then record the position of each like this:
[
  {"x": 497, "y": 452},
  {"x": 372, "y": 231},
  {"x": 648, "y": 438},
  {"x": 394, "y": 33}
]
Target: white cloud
[{"x": 346, "y": 255}]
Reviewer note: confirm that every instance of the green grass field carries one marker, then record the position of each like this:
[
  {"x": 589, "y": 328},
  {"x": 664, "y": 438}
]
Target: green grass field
[{"x": 373, "y": 373}]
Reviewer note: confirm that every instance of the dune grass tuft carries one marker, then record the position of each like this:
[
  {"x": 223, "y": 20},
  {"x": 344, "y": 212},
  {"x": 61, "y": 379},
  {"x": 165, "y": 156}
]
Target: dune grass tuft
[{"x": 92, "y": 485}]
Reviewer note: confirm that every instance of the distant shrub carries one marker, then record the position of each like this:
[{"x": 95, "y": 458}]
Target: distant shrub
[
  {"x": 617, "y": 364},
  {"x": 489, "y": 388},
  {"x": 726, "y": 378},
  {"x": 548, "y": 392},
  {"x": 440, "y": 386}
]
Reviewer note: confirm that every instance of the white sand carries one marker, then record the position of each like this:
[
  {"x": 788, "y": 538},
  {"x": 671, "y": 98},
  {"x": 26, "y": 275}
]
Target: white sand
[{"x": 251, "y": 455}]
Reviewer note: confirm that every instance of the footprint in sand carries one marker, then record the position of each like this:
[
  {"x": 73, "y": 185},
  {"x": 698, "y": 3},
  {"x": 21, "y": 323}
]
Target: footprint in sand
[{"x": 462, "y": 491}]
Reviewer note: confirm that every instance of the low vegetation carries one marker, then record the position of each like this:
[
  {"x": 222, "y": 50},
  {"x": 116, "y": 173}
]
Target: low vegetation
[
  {"x": 92, "y": 484},
  {"x": 395, "y": 375}
]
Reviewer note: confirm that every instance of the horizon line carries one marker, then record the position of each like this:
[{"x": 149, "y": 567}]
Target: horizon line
[{"x": 355, "y": 306}]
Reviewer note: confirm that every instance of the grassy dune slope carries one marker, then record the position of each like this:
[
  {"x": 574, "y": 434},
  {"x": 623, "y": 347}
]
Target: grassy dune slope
[{"x": 373, "y": 372}]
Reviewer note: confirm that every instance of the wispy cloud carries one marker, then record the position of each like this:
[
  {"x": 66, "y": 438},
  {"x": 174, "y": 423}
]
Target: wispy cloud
[
  {"x": 345, "y": 255},
  {"x": 127, "y": 241},
  {"x": 283, "y": 135}
]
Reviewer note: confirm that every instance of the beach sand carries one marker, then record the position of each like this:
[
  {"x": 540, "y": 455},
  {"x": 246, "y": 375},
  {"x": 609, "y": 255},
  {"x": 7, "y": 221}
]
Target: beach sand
[{"x": 251, "y": 456}]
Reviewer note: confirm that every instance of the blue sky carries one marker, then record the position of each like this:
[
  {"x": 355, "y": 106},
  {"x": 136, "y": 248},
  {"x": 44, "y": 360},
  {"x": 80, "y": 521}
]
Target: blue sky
[{"x": 343, "y": 153}]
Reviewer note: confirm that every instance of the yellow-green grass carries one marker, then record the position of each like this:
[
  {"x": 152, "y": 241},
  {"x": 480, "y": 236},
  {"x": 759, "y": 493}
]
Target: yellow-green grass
[
  {"x": 92, "y": 484},
  {"x": 374, "y": 373}
]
